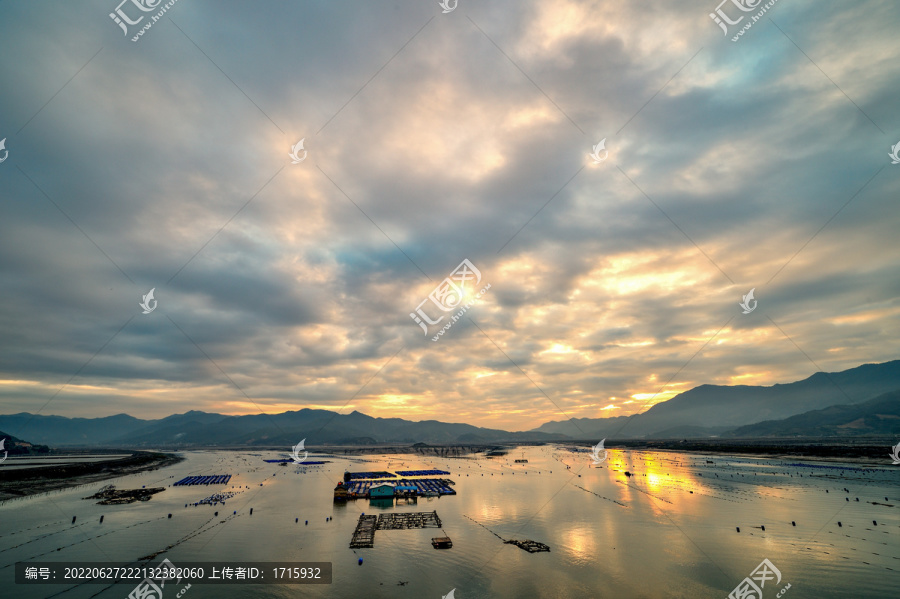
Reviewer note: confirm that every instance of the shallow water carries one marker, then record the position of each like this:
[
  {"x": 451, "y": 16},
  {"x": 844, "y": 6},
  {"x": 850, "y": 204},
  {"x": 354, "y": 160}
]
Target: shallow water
[
  {"x": 667, "y": 531},
  {"x": 20, "y": 462}
]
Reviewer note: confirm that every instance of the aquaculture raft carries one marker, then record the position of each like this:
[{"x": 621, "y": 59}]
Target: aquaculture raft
[
  {"x": 405, "y": 520},
  {"x": 109, "y": 495},
  {"x": 438, "y": 486},
  {"x": 441, "y": 543},
  {"x": 216, "y": 479},
  {"x": 529, "y": 546},
  {"x": 364, "y": 535},
  {"x": 348, "y": 476}
]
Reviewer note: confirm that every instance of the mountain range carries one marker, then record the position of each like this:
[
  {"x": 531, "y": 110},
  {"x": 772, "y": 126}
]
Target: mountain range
[{"x": 861, "y": 401}]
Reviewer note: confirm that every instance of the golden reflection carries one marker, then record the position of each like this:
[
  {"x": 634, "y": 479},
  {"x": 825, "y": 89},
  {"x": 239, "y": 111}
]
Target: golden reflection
[
  {"x": 580, "y": 543},
  {"x": 653, "y": 475}
]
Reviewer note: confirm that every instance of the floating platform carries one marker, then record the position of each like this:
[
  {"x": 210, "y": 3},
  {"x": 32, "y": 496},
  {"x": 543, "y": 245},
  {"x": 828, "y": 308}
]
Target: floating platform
[
  {"x": 407, "y": 520},
  {"x": 109, "y": 495},
  {"x": 364, "y": 535},
  {"x": 215, "y": 479},
  {"x": 289, "y": 460},
  {"x": 216, "y": 498},
  {"x": 421, "y": 472},
  {"x": 529, "y": 546},
  {"x": 433, "y": 487},
  {"x": 348, "y": 476},
  {"x": 441, "y": 543}
]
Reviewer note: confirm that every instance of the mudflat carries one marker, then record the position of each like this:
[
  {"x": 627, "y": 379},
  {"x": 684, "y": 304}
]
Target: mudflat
[{"x": 23, "y": 482}]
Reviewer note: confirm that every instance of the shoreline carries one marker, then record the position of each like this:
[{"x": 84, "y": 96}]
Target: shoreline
[
  {"x": 872, "y": 449},
  {"x": 25, "y": 482},
  {"x": 866, "y": 452}
]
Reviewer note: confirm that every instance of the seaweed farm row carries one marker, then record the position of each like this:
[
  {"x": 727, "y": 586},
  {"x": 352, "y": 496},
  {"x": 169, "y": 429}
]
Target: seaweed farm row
[
  {"x": 436, "y": 486},
  {"x": 215, "y": 479}
]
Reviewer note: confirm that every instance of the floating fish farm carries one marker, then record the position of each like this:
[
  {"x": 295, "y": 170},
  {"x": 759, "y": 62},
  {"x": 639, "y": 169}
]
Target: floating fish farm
[
  {"x": 216, "y": 498},
  {"x": 368, "y": 475},
  {"x": 438, "y": 486},
  {"x": 364, "y": 535},
  {"x": 289, "y": 460},
  {"x": 529, "y": 545},
  {"x": 215, "y": 479},
  {"x": 421, "y": 472}
]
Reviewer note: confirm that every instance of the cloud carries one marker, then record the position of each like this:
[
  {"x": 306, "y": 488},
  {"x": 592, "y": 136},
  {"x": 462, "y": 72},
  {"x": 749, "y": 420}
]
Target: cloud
[{"x": 433, "y": 138}]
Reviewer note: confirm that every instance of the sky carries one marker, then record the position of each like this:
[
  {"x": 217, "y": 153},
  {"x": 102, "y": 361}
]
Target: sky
[{"x": 430, "y": 138}]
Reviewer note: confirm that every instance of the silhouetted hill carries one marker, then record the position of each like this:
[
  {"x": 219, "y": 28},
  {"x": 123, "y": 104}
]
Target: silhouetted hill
[
  {"x": 718, "y": 408},
  {"x": 200, "y": 429},
  {"x": 15, "y": 446},
  {"x": 879, "y": 416},
  {"x": 59, "y": 430},
  {"x": 707, "y": 410}
]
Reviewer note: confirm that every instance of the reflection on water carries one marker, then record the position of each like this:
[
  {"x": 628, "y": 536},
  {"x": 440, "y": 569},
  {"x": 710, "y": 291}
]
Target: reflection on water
[
  {"x": 382, "y": 503},
  {"x": 667, "y": 530}
]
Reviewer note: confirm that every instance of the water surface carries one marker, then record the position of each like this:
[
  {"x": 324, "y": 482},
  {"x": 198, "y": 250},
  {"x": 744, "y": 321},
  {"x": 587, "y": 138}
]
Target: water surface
[{"x": 667, "y": 531}]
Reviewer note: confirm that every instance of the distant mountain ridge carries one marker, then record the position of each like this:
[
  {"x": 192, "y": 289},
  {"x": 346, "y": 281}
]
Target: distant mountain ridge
[
  {"x": 714, "y": 409},
  {"x": 878, "y": 416},
  {"x": 704, "y": 411},
  {"x": 199, "y": 429}
]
